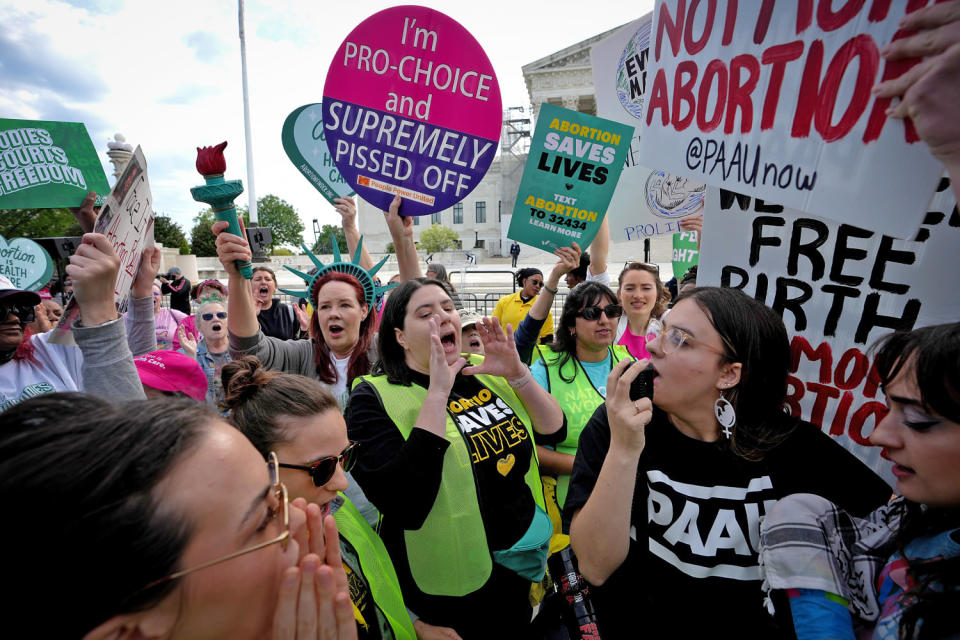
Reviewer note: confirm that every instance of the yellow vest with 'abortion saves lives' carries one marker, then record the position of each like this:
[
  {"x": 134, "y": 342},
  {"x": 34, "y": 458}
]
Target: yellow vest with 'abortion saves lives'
[{"x": 449, "y": 555}]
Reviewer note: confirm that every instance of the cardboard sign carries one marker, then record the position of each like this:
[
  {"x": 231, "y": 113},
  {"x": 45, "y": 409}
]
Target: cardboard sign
[
  {"x": 411, "y": 106},
  {"x": 126, "y": 219},
  {"x": 25, "y": 263},
  {"x": 774, "y": 100},
  {"x": 306, "y": 146},
  {"x": 46, "y": 165},
  {"x": 647, "y": 202},
  {"x": 686, "y": 254},
  {"x": 838, "y": 288},
  {"x": 572, "y": 169}
]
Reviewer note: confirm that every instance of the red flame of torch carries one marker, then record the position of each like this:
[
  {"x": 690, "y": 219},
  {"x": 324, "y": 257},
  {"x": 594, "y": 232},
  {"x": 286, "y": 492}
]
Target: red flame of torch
[{"x": 210, "y": 160}]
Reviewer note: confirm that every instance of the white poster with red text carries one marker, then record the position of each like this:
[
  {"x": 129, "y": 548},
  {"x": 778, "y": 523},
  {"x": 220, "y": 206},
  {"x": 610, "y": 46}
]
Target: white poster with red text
[
  {"x": 838, "y": 289},
  {"x": 774, "y": 100}
]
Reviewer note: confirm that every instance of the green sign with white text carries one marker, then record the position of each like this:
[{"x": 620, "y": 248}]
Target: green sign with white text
[
  {"x": 572, "y": 168},
  {"x": 46, "y": 165},
  {"x": 685, "y": 252}
]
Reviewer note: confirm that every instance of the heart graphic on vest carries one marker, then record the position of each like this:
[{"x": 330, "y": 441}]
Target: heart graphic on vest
[{"x": 504, "y": 465}]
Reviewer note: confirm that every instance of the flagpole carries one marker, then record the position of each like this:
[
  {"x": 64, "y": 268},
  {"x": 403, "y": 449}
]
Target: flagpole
[{"x": 251, "y": 189}]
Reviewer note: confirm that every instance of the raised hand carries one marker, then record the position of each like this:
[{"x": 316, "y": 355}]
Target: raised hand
[
  {"x": 569, "y": 259},
  {"x": 347, "y": 209},
  {"x": 187, "y": 342},
  {"x": 93, "y": 269},
  {"x": 500, "y": 352},
  {"x": 230, "y": 248},
  {"x": 86, "y": 213},
  {"x": 302, "y": 317},
  {"x": 930, "y": 91},
  {"x": 397, "y": 224},
  {"x": 142, "y": 286},
  {"x": 442, "y": 373}
]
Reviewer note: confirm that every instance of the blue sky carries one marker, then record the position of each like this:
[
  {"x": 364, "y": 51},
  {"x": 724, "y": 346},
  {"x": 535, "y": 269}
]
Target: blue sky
[{"x": 167, "y": 74}]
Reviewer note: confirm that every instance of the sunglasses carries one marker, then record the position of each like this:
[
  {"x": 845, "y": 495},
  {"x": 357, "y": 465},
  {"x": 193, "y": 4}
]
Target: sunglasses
[
  {"x": 222, "y": 315},
  {"x": 536, "y": 283},
  {"x": 323, "y": 469},
  {"x": 593, "y": 313},
  {"x": 24, "y": 312}
]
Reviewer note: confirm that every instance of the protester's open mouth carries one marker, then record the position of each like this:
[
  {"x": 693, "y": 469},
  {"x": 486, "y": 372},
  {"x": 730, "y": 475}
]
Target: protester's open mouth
[
  {"x": 264, "y": 291},
  {"x": 475, "y": 343},
  {"x": 335, "y": 330},
  {"x": 900, "y": 471},
  {"x": 217, "y": 327},
  {"x": 449, "y": 342}
]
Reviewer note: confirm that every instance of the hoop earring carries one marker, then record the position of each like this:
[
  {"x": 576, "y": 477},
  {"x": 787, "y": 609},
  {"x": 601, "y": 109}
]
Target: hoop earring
[{"x": 725, "y": 414}]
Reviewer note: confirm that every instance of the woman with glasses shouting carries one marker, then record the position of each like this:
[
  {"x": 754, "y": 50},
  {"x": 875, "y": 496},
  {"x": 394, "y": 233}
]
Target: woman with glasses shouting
[
  {"x": 212, "y": 351},
  {"x": 157, "y": 519},
  {"x": 666, "y": 497},
  {"x": 574, "y": 369},
  {"x": 298, "y": 419}
]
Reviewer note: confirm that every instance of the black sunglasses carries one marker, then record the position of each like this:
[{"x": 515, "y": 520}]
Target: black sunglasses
[
  {"x": 323, "y": 469},
  {"x": 24, "y": 312},
  {"x": 222, "y": 315},
  {"x": 592, "y": 313}
]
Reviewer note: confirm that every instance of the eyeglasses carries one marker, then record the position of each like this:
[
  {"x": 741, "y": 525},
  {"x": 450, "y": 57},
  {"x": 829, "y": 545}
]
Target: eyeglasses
[
  {"x": 222, "y": 315},
  {"x": 536, "y": 283},
  {"x": 24, "y": 312},
  {"x": 593, "y": 313},
  {"x": 283, "y": 507},
  {"x": 673, "y": 338},
  {"x": 323, "y": 469}
]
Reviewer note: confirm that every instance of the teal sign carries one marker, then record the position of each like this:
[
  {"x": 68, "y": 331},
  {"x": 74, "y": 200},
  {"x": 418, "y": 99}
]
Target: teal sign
[
  {"x": 25, "y": 263},
  {"x": 685, "y": 252},
  {"x": 306, "y": 146},
  {"x": 47, "y": 165},
  {"x": 572, "y": 170}
]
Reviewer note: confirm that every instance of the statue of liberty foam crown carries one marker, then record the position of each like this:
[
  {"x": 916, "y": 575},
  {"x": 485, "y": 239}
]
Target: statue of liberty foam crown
[{"x": 371, "y": 289}]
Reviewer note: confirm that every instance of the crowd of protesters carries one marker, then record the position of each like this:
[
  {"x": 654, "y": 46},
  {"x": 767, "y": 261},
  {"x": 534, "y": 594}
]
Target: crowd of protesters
[{"x": 378, "y": 464}]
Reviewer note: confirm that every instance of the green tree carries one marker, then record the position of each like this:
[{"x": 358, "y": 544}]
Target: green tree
[
  {"x": 169, "y": 233},
  {"x": 38, "y": 223},
  {"x": 282, "y": 251},
  {"x": 323, "y": 244},
  {"x": 281, "y": 217},
  {"x": 438, "y": 238},
  {"x": 203, "y": 243}
]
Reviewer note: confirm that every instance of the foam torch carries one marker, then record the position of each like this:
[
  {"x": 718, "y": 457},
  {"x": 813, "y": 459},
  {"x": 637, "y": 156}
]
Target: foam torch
[{"x": 220, "y": 194}]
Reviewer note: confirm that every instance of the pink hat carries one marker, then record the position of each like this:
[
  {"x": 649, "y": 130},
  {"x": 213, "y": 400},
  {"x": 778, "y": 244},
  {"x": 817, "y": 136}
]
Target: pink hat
[{"x": 172, "y": 371}]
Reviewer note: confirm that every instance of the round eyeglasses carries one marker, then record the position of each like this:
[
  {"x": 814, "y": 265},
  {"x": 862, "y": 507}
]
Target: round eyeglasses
[
  {"x": 323, "y": 469},
  {"x": 282, "y": 509},
  {"x": 674, "y": 338}
]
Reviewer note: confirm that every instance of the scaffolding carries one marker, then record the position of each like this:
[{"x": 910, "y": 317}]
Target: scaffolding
[{"x": 514, "y": 146}]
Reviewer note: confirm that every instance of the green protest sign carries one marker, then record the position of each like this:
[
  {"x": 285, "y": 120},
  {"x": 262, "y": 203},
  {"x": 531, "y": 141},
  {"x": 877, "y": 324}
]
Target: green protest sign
[
  {"x": 685, "y": 252},
  {"x": 45, "y": 165},
  {"x": 572, "y": 169},
  {"x": 306, "y": 146},
  {"x": 25, "y": 263}
]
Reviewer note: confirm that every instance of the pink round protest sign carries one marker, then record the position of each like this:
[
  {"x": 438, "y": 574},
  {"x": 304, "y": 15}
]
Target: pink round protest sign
[{"x": 411, "y": 105}]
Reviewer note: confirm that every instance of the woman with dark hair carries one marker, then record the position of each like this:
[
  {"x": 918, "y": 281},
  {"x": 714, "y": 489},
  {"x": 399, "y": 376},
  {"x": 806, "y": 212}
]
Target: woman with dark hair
[
  {"x": 575, "y": 367},
  {"x": 901, "y": 574},
  {"x": 644, "y": 299},
  {"x": 512, "y": 309},
  {"x": 298, "y": 419},
  {"x": 448, "y": 459},
  {"x": 666, "y": 496},
  {"x": 168, "y": 524}
]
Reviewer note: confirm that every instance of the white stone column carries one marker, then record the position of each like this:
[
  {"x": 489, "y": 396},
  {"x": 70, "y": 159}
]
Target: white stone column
[{"x": 119, "y": 152}]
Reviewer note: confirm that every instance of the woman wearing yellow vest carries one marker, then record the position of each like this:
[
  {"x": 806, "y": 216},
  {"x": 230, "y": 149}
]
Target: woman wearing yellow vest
[
  {"x": 447, "y": 456},
  {"x": 299, "y": 420},
  {"x": 575, "y": 367}
]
